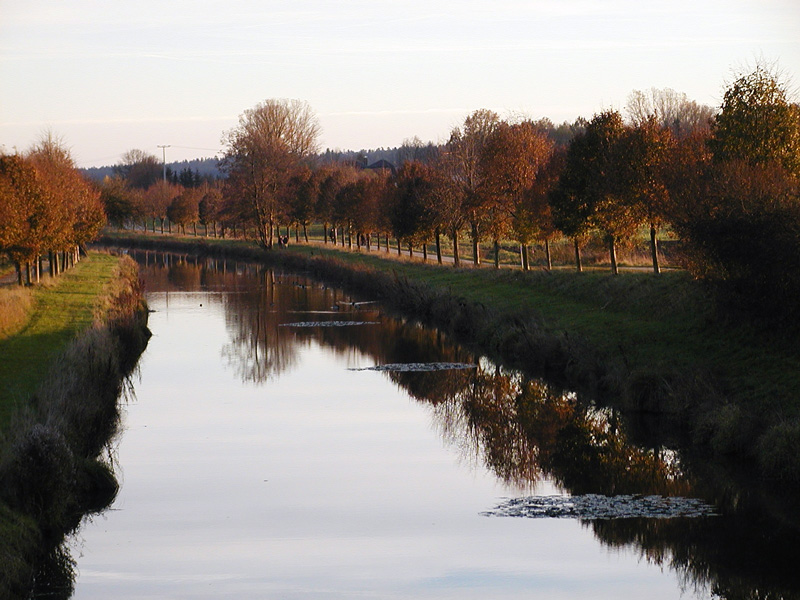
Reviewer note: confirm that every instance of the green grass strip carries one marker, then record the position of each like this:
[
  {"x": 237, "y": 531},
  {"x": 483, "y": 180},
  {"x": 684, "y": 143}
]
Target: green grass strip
[{"x": 61, "y": 311}]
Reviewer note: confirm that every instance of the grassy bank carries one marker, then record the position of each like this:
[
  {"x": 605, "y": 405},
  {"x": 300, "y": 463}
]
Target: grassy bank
[
  {"x": 61, "y": 411},
  {"x": 636, "y": 340}
]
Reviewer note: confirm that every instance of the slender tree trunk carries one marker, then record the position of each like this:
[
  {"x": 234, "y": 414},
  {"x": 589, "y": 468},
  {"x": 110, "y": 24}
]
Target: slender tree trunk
[
  {"x": 305, "y": 233},
  {"x": 496, "y": 253},
  {"x": 18, "y": 268},
  {"x": 194, "y": 228},
  {"x": 523, "y": 250},
  {"x": 297, "y": 233},
  {"x": 399, "y": 250},
  {"x": 271, "y": 236},
  {"x": 438, "y": 246},
  {"x": 28, "y": 273},
  {"x": 349, "y": 235},
  {"x": 476, "y": 250},
  {"x": 51, "y": 261},
  {"x": 425, "y": 252},
  {"x": 169, "y": 226},
  {"x": 410, "y": 250},
  {"x": 387, "y": 243},
  {"x": 612, "y": 253},
  {"x": 578, "y": 263},
  {"x": 456, "y": 257},
  {"x": 654, "y": 248},
  {"x": 547, "y": 254}
]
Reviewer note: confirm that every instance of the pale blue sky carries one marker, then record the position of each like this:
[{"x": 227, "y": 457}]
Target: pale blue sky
[{"x": 109, "y": 76}]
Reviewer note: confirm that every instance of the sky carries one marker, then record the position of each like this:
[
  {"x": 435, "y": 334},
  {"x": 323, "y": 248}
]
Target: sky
[{"x": 107, "y": 76}]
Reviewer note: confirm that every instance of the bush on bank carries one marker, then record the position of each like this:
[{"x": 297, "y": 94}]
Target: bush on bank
[{"x": 50, "y": 473}]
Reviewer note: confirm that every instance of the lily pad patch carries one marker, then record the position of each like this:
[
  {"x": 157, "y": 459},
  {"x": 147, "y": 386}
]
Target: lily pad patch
[
  {"x": 417, "y": 367},
  {"x": 328, "y": 323},
  {"x": 595, "y": 506}
]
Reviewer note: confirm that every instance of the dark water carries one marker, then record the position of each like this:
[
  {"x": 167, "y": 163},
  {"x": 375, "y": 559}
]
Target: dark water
[{"x": 260, "y": 460}]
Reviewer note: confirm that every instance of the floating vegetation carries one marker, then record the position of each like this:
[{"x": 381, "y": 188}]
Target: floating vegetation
[
  {"x": 594, "y": 506},
  {"x": 328, "y": 323},
  {"x": 417, "y": 367},
  {"x": 361, "y": 303}
]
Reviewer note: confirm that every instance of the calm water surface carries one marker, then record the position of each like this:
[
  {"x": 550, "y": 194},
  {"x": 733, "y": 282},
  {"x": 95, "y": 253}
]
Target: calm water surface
[{"x": 256, "y": 463}]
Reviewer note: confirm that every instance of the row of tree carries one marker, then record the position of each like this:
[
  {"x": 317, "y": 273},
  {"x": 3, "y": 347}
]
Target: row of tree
[
  {"x": 725, "y": 182},
  {"x": 47, "y": 209}
]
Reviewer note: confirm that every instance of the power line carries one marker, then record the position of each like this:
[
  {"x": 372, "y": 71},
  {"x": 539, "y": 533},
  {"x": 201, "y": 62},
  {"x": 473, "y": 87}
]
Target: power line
[{"x": 193, "y": 148}]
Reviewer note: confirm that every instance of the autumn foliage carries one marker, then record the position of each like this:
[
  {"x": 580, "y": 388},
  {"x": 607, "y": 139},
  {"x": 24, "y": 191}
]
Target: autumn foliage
[{"x": 46, "y": 208}]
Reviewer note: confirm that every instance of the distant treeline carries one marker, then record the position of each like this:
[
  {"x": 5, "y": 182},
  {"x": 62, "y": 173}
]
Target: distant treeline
[
  {"x": 190, "y": 173},
  {"x": 723, "y": 181}
]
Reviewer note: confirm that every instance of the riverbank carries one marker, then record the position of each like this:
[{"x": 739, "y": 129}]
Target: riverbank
[
  {"x": 637, "y": 341},
  {"x": 60, "y": 402}
]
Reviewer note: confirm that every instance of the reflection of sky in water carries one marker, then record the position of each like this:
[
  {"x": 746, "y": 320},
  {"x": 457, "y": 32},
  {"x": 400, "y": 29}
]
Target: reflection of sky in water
[{"x": 321, "y": 483}]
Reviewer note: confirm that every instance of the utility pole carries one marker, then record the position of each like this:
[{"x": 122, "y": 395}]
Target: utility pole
[{"x": 164, "y": 159}]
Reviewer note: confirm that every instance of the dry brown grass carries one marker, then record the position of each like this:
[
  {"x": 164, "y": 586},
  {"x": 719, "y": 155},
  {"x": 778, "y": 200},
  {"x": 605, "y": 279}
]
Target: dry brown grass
[{"x": 16, "y": 304}]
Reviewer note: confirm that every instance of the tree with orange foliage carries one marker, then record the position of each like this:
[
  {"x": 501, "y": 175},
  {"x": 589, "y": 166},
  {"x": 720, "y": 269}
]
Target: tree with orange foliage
[
  {"x": 462, "y": 161},
  {"x": 511, "y": 160}
]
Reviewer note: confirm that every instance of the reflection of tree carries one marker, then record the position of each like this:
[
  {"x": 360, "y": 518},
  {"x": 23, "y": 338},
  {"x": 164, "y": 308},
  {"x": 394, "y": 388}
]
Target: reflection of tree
[
  {"x": 522, "y": 429},
  {"x": 259, "y": 348}
]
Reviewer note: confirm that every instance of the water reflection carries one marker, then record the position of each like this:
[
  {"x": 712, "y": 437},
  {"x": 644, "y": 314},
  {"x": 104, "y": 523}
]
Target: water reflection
[{"x": 523, "y": 430}]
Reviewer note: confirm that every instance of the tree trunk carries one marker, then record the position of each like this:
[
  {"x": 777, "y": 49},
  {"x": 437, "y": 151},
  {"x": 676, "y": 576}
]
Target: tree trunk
[
  {"x": 305, "y": 233},
  {"x": 456, "y": 257},
  {"x": 425, "y": 252},
  {"x": 438, "y": 247},
  {"x": 476, "y": 251},
  {"x": 654, "y": 248},
  {"x": 578, "y": 263},
  {"x": 349, "y": 235},
  {"x": 410, "y": 251},
  {"x": 523, "y": 250},
  {"x": 496, "y": 253},
  {"x": 169, "y": 226},
  {"x": 547, "y": 254},
  {"x": 51, "y": 260},
  {"x": 399, "y": 250},
  {"x": 612, "y": 253},
  {"x": 18, "y": 268},
  {"x": 194, "y": 228},
  {"x": 297, "y": 234}
]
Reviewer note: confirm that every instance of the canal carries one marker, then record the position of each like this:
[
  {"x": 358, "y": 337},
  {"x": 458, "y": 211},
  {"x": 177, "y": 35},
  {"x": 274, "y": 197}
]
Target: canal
[{"x": 283, "y": 439}]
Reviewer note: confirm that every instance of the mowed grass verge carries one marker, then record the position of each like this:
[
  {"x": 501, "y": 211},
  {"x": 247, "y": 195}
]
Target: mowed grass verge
[{"x": 59, "y": 310}]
